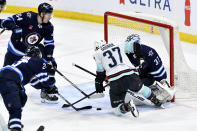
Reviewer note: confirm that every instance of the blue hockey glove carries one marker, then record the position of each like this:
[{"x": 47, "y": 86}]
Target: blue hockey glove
[{"x": 17, "y": 34}]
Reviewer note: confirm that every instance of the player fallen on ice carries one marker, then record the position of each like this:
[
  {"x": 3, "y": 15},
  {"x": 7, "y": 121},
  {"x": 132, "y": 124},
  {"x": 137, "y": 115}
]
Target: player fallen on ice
[
  {"x": 2, "y": 5},
  {"x": 31, "y": 68},
  {"x": 148, "y": 62},
  {"x": 29, "y": 29},
  {"x": 112, "y": 62}
]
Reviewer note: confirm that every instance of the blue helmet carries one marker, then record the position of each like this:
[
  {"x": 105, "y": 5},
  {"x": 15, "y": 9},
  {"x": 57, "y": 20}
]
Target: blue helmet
[{"x": 133, "y": 38}]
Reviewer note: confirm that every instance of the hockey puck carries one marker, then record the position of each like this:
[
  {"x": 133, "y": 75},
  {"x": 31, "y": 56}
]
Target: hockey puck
[{"x": 98, "y": 109}]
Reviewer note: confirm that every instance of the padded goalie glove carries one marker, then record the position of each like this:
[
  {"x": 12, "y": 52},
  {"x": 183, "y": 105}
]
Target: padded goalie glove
[
  {"x": 51, "y": 61},
  {"x": 100, "y": 77}
]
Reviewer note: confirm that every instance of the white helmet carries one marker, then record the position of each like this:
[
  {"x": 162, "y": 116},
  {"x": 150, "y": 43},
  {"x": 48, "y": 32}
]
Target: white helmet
[
  {"x": 99, "y": 44},
  {"x": 133, "y": 38}
]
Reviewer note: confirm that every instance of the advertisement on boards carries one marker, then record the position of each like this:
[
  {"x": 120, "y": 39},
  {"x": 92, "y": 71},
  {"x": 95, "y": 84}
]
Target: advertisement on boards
[
  {"x": 187, "y": 16},
  {"x": 183, "y": 11},
  {"x": 165, "y": 8}
]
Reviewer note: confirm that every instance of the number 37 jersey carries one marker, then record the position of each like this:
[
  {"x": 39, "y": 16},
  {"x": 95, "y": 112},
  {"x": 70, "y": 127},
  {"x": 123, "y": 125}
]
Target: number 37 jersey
[{"x": 112, "y": 59}]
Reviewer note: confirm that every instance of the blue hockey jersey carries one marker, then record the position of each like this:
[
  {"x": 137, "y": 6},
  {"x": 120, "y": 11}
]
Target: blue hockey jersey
[
  {"x": 28, "y": 69},
  {"x": 32, "y": 33},
  {"x": 154, "y": 63}
]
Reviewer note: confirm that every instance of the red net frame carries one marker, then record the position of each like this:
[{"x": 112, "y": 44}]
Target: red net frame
[{"x": 171, "y": 35}]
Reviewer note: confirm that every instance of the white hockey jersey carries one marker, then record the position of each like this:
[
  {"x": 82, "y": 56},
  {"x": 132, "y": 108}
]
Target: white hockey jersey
[{"x": 112, "y": 59}]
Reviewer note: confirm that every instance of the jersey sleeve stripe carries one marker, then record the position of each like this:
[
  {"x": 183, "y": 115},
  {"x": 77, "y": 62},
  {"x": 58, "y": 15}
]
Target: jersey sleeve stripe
[
  {"x": 14, "y": 50},
  {"x": 49, "y": 44},
  {"x": 157, "y": 71},
  {"x": 14, "y": 69},
  {"x": 48, "y": 41}
]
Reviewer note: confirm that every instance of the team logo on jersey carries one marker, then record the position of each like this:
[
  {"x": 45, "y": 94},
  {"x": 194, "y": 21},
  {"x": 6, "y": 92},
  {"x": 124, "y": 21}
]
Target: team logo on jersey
[
  {"x": 29, "y": 14},
  {"x": 150, "y": 53},
  {"x": 32, "y": 38},
  {"x": 30, "y": 27}
]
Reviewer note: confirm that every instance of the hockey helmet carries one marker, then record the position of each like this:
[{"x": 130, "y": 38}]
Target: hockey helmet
[
  {"x": 2, "y": 2},
  {"x": 99, "y": 44},
  {"x": 45, "y": 8},
  {"x": 133, "y": 38},
  {"x": 33, "y": 51}
]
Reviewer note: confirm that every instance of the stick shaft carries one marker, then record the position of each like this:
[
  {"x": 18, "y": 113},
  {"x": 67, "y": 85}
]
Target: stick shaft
[
  {"x": 71, "y": 82},
  {"x": 84, "y": 69}
]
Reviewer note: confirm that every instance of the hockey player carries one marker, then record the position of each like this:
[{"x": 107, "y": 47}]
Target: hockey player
[
  {"x": 2, "y": 5},
  {"x": 111, "y": 61},
  {"x": 14, "y": 77},
  {"x": 148, "y": 62},
  {"x": 29, "y": 29}
]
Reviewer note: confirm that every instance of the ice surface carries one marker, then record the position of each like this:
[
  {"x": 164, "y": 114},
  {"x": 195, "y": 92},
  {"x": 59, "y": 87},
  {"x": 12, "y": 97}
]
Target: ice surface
[{"x": 74, "y": 43}]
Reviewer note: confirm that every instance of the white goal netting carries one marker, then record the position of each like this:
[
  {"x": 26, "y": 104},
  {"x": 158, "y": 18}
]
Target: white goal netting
[{"x": 163, "y": 35}]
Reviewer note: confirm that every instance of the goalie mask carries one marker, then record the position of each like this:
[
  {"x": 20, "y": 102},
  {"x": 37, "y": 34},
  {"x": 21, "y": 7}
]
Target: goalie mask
[
  {"x": 33, "y": 51},
  {"x": 99, "y": 44},
  {"x": 133, "y": 38}
]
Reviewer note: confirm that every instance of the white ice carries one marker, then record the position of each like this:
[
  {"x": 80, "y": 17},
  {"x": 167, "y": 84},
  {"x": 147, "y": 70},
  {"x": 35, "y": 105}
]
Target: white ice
[{"x": 74, "y": 43}]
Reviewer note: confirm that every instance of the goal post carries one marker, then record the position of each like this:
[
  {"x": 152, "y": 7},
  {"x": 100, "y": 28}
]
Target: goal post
[
  {"x": 132, "y": 18},
  {"x": 117, "y": 26}
]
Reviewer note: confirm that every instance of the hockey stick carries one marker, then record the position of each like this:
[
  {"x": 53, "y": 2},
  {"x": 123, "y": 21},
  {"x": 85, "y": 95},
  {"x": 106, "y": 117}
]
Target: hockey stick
[
  {"x": 2, "y": 31},
  {"x": 77, "y": 109},
  {"x": 83, "y": 69},
  {"x": 71, "y": 82},
  {"x": 98, "y": 95},
  {"x": 67, "y": 105}
]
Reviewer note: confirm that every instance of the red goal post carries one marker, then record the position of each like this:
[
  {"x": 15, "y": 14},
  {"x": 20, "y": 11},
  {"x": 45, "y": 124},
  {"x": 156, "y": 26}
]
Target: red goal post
[{"x": 108, "y": 15}]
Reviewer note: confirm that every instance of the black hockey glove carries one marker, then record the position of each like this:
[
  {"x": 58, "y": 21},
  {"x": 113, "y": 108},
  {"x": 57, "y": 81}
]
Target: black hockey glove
[
  {"x": 50, "y": 70},
  {"x": 99, "y": 82},
  {"x": 17, "y": 33},
  {"x": 51, "y": 61}
]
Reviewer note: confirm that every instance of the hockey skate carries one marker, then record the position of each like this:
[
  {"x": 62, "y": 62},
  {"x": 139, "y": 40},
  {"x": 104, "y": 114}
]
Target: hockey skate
[
  {"x": 131, "y": 107},
  {"x": 48, "y": 98}
]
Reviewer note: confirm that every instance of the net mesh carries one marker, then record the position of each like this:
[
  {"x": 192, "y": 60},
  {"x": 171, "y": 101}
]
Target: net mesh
[{"x": 158, "y": 38}]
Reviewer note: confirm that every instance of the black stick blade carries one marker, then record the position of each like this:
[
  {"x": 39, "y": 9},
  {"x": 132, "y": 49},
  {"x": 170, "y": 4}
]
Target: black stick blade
[
  {"x": 41, "y": 128},
  {"x": 65, "y": 106},
  {"x": 84, "y": 108},
  {"x": 78, "y": 109}
]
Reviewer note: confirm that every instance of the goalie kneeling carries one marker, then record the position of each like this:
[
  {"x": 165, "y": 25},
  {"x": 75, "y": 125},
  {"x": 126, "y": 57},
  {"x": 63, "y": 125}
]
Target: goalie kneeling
[{"x": 112, "y": 61}]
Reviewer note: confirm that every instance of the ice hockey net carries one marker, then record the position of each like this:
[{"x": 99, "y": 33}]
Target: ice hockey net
[{"x": 160, "y": 33}]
